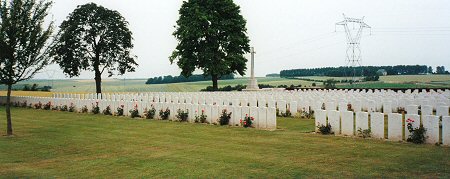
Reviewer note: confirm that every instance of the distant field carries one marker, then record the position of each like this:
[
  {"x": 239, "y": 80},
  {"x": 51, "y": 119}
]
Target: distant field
[{"x": 138, "y": 85}]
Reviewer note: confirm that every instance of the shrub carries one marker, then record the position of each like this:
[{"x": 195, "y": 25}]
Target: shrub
[
  {"x": 72, "y": 107},
  {"x": 248, "y": 121},
  {"x": 324, "y": 129},
  {"x": 38, "y": 105},
  {"x": 150, "y": 113},
  {"x": 224, "y": 119},
  {"x": 135, "y": 112},
  {"x": 55, "y": 108},
  {"x": 366, "y": 133},
  {"x": 120, "y": 110},
  {"x": 84, "y": 109},
  {"x": 107, "y": 111},
  {"x": 64, "y": 108},
  {"x": 182, "y": 115},
  {"x": 48, "y": 106},
  {"x": 307, "y": 115},
  {"x": 417, "y": 135},
  {"x": 95, "y": 108},
  {"x": 286, "y": 114},
  {"x": 164, "y": 114},
  {"x": 24, "y": 104},
  {"x": 201, "y": 118}
]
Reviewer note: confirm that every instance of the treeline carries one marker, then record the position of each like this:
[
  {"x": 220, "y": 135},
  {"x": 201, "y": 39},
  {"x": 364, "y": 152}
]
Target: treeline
[
  {"x": 365, "y": 71},
  {"x": 182, "y": 79},
  {"x": 240, "y": 87}
]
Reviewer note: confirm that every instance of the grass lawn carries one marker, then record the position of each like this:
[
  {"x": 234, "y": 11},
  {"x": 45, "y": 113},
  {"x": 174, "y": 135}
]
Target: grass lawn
[{"x": 60, "y": 144}]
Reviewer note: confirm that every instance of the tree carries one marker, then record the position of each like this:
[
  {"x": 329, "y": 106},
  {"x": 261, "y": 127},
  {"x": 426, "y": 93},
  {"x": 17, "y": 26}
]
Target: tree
[
  {"x": 24, "y": 44},
  {"x": 430, "y": 70},
  {"x": 440, "y": 70},
  {"x": 97, "y": 39},
  {"x": 330, "y": 84},
  {"x": 212, "y": 37}
]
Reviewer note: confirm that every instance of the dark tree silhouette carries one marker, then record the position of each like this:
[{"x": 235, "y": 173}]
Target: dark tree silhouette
[{"x": 97, "y": 39}]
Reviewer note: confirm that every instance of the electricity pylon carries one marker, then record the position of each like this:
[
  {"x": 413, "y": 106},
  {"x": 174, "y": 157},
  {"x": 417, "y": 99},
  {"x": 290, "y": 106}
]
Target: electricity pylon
[{"x": 353, "y": 51}]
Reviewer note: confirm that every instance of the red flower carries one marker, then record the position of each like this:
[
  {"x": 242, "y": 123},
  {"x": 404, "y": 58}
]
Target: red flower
[{"x": 240, "y": 121}]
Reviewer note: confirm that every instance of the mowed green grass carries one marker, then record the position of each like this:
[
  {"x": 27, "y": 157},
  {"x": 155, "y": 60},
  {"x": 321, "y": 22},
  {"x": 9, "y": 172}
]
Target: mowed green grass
[{"x": 52, "y": 144}]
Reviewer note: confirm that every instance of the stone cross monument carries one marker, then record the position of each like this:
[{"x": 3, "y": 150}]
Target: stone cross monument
[{"x": 252, "y": 83}]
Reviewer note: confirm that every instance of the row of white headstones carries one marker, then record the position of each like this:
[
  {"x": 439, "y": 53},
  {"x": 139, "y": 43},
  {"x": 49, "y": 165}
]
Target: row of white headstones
[
  {"x": 264, "y": 117},
  {"x": 385, "y": 101},
  {"x": 349, "y": 123},
  {"x": 379, "y": 100}
]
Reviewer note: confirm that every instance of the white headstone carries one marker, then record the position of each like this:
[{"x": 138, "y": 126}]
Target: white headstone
[
  {"x": 431, "y": 124},
  {"x": 320, "y": 118},
  {"x": 334, "y": 120},
  {"x": 395, "y": 127},
  {"x": 362, "y": 121},
  {"x": 446, "y": 130},
  {"x": 377, "y": 125},
  {"x": 426, "y": 110},
  {"x": 347, "y": 123}
]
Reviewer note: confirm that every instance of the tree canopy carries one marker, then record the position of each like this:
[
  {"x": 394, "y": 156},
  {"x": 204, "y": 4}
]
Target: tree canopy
[
  {"x": 212, "y": 37},
  {"x": 97, "y": 39},
  {"x": 24, "y": 43}
]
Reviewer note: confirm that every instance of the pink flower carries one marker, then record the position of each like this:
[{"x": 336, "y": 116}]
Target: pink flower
[{"x": 240, "y": 121}]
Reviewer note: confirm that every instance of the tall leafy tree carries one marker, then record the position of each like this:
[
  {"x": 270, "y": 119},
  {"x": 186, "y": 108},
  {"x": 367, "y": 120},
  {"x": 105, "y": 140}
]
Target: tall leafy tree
[
  {"x": 97, "y": 39},
  {"x": 212, "y": 37},
  {"x": 24, "y": 44}
]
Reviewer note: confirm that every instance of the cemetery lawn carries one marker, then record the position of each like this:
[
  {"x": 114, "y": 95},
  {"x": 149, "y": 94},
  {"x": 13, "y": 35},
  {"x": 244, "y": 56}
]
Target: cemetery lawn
[{"x": 52, "y": 144}]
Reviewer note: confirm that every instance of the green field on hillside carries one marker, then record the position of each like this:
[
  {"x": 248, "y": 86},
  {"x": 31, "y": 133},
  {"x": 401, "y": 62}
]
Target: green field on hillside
[
  {"x": 138, "y": 85},
  {"x": 52, "y": 144}
]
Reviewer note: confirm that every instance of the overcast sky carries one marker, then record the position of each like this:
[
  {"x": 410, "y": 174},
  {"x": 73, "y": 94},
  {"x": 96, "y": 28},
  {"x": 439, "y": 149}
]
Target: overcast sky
[{"x": 289, "y": 34}]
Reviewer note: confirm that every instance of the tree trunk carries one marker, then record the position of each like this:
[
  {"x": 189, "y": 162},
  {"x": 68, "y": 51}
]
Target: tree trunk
[
  {"x": 98, "y": 81},
  {"x": 215, "y": 78},
  {"x": 9, "y": 130}
]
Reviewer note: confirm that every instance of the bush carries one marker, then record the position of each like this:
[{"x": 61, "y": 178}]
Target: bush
[
  {"x": 417, "y": 135},
  {"x": 135, "y": 112},
  {"x": 150, "y": 114},
  {"x": 84, "y": 109},
  {"x": 324, "y": 129},
  {"x": 307, "y": 115},
  {"x": 164, "y": 114},
  {"x": 72, "y": 107},
  {"x": 24, "y": 104},
  {"x": 95, "y": 108},
  {"x": 286, "y": 114},
  {"x": 182, "y": 115},
  {"x": 330, "y": 84},
  {"x": 38, "y": 105},
  {"x": 201, "y": 118},
  {"x": 48, "y": 106},
  {"x": 366, "y": 133},
  {"x": 64, "y": 108},
  {"x": 224, "y": 119},
  {"x": 120, "y": 110},
  {"x": 107, "y": 111},
  {"x": 248, "y": 121}
]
